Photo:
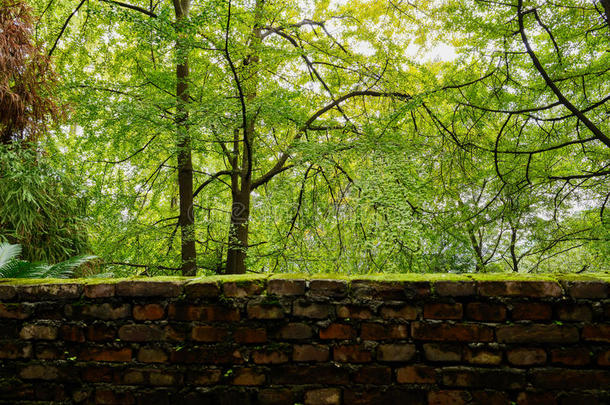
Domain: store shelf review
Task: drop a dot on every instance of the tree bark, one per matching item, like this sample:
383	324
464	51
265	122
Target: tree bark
183	142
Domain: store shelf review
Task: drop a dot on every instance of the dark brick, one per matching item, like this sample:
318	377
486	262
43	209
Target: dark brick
105	311
407	312
596	333
202	289
7	292
101	290
534	311
417	374
338	331
451	332
209	334
537	334
503	379
308	309
323	396
140	333
148	312
270	357
148	289
588	289
352	354
152	355
455	288
483	355
536	398
203	377
15	350
248	335
573	356
275	396
490	398
445	352
354	312
564	379
72	333
374	290
264	311
574	312
316	353
373	375
486	312
534	289
15	311
310	374
295	331
105	354
395	352
109	397
100	332
443	311
248	376
41	292
328	288
448	397
243	289
286	287
388	396
38	332
206	355
378	331
526	356
208	313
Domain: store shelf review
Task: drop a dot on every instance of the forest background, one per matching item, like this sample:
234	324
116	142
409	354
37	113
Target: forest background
197	137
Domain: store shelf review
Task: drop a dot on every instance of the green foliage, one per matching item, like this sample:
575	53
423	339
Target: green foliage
12	267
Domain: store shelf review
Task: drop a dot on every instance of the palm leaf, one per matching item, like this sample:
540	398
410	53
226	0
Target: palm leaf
8	254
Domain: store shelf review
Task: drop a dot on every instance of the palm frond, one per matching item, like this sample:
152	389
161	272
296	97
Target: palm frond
8	253
65	269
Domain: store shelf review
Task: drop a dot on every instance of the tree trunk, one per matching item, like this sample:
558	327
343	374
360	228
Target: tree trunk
185	165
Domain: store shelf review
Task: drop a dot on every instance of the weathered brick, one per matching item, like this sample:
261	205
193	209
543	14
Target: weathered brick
534	289
378	331
265	311
15	311
323	396
270	357
15	350
206	355
536	334
328	288
140	333
248	376
241	289
391	395
148	289
72	333
455	288
49	352
148	312
203	377
503	379
395	352
109	397
588	289
564	379
105	311
448	397
596	333
38	332
177	332
295	331
352	354
488	397
7	292
377	290
534	311
248	335
451	332
105	354
407	312
207	313
315	353
443	311
101	290
354	312
536	398
39	372
100	332
152	355
275	396
574	312
40	292
486	312
573	356
482	355
376	375
523	356
202	289
445	352
417	374
603	358
209	334
308	309
133	377
163	379
286	287
338	331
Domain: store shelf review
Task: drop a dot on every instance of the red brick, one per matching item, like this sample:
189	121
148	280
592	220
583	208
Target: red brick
99	290
394	395
486	312
376	375
265	311
105	311
247	335
140	333
71	333
338	331
323	396
596	333
206	355
15	311
378	331
275	396
534	311
148	289
442	352
526	356
243	289
209	334
417	374
202	289
377	290
536	398
105	354
407	312
307	309
536	289
204	377
455	288
314	353
566	379
269	357
108	397
100	332
451	332
286	287
39	372
573	312
448	397
537	334
328	288
354	312
248	376
177	332
395	352
588	289
603	358
571	356
296	331
208	313
490	398
483	355
38	332
148	312
98	374
443	311
152	355
132	377
352	354
163	379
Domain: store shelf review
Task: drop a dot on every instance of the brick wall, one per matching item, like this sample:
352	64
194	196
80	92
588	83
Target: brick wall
288	341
